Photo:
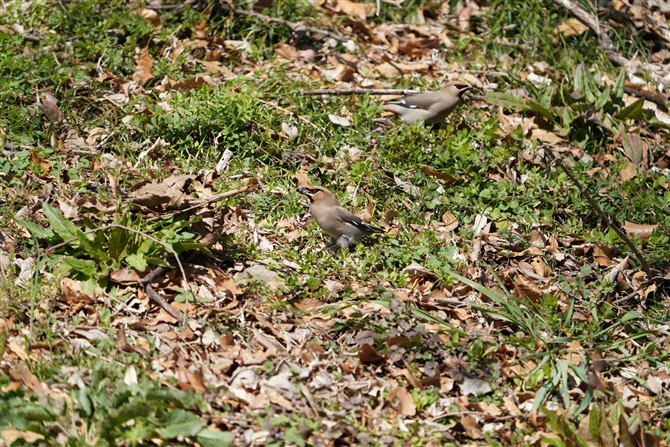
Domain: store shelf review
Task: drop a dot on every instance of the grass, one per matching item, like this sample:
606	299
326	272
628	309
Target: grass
546	345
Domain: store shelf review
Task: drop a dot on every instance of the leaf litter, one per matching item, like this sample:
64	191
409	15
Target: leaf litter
269	360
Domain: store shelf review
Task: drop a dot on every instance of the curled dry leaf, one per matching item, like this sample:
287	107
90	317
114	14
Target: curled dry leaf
540	267
286	51
37	159
49	105
339	120
406	405
524	288
368	354
603	255
150	16
570	27
143	66
629	171
290	131
643	231
301	179
444	176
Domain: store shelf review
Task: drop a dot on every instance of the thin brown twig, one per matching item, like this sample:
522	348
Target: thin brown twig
357	91
603	216
155	296
608	47
201	203
288	23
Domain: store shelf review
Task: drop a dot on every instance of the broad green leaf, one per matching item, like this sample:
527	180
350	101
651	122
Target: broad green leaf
67	230
187	428
633	111
35	229
507	101
594	422
540	110
137	261
62	226
35	412
130	411
210	438
603	98
84	266
617	92
632	315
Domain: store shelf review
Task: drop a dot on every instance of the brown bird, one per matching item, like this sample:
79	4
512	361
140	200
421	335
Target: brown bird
431	107
344	228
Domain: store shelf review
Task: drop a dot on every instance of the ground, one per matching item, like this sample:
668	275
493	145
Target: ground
162	281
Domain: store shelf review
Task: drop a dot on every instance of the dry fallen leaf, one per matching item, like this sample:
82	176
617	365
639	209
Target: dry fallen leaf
643	231
143	66
629	171
406	405
149	15
37	159
49	105
368	354
570	27
339	120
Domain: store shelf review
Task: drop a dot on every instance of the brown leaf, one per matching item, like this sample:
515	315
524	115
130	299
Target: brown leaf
37	159
359	10
464	18
471	428
286	51
634	148
570	27
450	220
149	15
406	406
49	105
540	267
196	82
547	137
525	288
73	295
143	66
603	255
445	176
629	171
125	276
643	231
301	179
23	375
368	354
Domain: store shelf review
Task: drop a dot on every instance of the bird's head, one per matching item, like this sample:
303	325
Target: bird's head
316	193
457	88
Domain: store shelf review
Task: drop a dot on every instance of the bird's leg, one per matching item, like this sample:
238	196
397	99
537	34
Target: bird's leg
332	248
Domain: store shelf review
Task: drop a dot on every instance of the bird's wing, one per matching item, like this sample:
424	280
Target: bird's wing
416	101
348	218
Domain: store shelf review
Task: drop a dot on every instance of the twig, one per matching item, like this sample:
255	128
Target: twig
465	413
201	203
168	247
637	291
606	43
155	297
288	23
604	216
357	91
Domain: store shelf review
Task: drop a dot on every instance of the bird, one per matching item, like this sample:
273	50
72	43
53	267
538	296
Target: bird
431	107
344	228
